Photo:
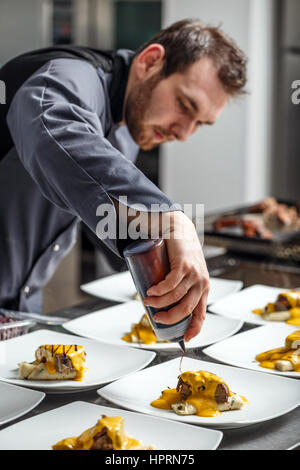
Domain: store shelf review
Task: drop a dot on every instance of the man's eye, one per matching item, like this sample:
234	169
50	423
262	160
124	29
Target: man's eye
182	105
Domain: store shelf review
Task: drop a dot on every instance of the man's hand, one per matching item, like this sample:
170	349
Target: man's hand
188	280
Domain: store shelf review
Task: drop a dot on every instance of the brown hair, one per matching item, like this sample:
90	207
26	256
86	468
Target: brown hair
189	40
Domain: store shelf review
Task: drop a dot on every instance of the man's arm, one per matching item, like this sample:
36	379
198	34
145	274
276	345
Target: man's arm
58	121
55	123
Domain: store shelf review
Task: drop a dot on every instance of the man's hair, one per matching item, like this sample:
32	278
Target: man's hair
189	40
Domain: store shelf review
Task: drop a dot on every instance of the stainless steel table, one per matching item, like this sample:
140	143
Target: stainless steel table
281	433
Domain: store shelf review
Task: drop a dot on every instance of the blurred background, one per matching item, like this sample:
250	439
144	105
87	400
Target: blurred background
250	153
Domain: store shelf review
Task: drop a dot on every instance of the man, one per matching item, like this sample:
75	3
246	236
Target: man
70	134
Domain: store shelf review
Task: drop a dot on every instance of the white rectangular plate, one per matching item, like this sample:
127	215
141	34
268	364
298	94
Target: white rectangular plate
105	362
110	324
242	349
120	288
241	304
74	418
269	395
16	401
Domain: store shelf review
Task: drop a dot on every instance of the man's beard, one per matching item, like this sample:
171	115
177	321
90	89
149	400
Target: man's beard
135	109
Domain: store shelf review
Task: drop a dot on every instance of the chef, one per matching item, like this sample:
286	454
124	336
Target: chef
71	128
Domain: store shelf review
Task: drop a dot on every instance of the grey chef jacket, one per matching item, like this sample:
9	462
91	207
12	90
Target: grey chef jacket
69	156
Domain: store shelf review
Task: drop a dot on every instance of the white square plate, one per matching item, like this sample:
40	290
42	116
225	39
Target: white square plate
16	401
74	418
269	395
105	362
242	349
120	288
241	304
110	324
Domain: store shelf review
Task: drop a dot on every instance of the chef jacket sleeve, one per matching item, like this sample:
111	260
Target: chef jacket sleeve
58	121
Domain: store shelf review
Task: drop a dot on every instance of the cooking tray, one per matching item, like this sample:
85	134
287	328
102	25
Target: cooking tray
284	244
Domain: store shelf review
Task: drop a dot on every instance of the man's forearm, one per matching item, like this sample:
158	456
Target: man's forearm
150	224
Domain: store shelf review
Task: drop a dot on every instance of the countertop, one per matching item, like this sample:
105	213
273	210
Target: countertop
281	433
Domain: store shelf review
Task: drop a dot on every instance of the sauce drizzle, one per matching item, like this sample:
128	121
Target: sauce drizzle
183	348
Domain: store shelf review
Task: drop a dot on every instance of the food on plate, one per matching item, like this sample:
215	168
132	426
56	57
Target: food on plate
285	308
107	434
136	296
55	362
285	358
141	333
199	393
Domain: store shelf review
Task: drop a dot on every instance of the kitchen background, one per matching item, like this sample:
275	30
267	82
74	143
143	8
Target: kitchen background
250	153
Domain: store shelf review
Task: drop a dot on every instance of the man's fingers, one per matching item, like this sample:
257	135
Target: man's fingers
171	297
197	318
175	286
181	310
171	281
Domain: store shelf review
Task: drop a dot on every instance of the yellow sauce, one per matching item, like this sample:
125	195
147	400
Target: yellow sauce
293	296
168	397
295	316
46	353
115	431
141	332
257	311
203	386
293	340
268	359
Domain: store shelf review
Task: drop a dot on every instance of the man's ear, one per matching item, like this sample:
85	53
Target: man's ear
149	61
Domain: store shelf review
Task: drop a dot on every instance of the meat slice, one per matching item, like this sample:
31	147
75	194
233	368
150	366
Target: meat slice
102	441
267	204
226	222
222	393
62	363
282	303
184	388
256	228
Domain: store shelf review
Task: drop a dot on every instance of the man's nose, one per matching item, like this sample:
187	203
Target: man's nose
182	130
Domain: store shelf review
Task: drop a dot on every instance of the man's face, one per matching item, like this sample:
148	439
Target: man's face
162	109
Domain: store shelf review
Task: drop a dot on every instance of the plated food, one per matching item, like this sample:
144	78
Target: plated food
200	393
55	362
142	333
285	308
269	395
103	362
109	325
285	358
107	434
45	430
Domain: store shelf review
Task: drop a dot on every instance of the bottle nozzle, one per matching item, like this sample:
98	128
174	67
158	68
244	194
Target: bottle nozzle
182	346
